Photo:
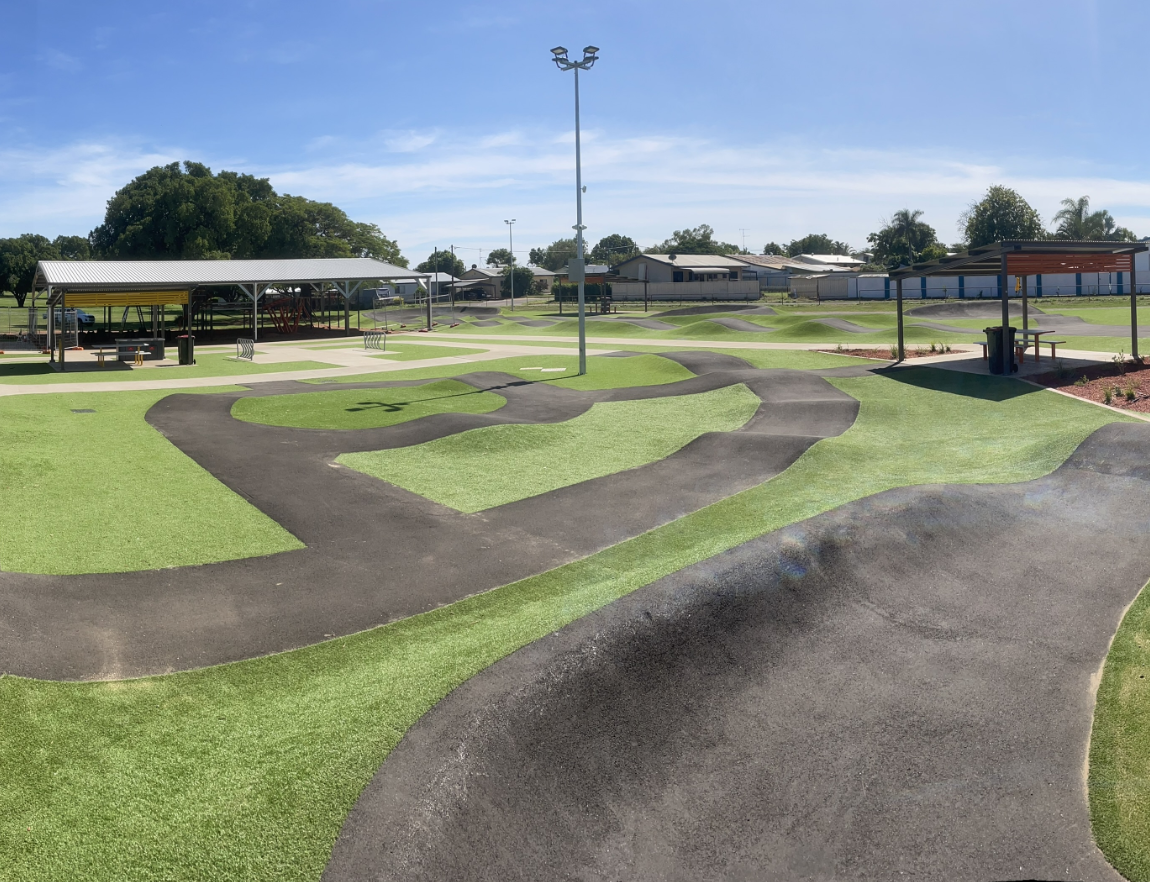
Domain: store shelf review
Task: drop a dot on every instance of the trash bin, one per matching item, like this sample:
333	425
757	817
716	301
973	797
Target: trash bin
187	346
994	348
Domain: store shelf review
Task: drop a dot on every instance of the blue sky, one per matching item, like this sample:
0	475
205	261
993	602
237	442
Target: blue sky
439	120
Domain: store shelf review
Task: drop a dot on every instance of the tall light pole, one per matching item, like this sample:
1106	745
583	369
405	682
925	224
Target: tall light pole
511	268
576	268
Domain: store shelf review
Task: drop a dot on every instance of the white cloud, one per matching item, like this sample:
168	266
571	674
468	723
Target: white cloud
435	188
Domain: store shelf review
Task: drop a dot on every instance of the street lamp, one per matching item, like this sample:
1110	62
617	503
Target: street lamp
577	267
511	269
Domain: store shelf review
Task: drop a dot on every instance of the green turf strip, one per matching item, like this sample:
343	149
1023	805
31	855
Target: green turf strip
513	462
94	492
365	408
207	365
1119	779
602	372
247	771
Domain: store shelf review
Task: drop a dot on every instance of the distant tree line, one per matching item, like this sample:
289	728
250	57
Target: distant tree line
187	212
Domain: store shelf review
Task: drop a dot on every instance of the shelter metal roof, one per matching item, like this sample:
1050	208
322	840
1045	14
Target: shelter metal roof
1031	256
127	275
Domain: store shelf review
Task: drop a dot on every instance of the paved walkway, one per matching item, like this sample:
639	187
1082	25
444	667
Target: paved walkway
352	364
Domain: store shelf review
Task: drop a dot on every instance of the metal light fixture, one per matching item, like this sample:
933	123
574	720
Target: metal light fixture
576	269
511	266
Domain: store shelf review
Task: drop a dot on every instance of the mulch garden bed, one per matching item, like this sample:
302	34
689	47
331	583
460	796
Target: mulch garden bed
1128	390
880	354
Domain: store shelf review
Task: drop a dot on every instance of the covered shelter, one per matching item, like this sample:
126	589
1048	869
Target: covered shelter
1022	259
154	283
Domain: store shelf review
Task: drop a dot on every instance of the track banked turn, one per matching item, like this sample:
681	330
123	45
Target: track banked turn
901	686
375	552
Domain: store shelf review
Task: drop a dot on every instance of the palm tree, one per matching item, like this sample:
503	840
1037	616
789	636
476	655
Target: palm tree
1076	221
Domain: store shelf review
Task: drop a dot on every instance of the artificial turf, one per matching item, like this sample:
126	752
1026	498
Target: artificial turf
365	408
211	364
1119	777
94	492
512	462
602	372
247	771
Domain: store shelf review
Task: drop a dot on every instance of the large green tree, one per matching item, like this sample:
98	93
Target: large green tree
1076	221
1000	214
442	262
816	243
614	249
188	212
18	258
525	284
700	240
555	256
500	257
904	240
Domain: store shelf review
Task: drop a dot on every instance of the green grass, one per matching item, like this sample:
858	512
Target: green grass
207	365
513	462
94	492
246	771
602	372
365	408
1119	778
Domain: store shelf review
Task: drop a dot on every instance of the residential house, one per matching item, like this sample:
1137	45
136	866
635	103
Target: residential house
685	277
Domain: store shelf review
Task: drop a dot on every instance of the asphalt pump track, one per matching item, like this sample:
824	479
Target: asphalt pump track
898	687
376	552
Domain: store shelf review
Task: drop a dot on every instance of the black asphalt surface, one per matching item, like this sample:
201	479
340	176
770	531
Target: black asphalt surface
376	552
974	309
900	688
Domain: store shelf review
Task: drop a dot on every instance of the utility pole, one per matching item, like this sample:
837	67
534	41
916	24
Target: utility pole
511	267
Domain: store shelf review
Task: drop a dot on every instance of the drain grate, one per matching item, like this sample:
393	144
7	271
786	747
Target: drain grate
82	410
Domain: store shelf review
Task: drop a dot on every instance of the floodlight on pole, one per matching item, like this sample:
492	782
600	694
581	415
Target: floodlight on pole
576	269
511	270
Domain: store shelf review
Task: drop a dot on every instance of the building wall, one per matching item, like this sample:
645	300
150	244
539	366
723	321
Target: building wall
723	290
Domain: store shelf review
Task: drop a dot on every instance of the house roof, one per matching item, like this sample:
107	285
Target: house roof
776	261
831	259
155	275
689	261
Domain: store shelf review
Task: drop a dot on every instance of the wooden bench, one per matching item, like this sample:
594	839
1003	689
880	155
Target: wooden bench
1053	344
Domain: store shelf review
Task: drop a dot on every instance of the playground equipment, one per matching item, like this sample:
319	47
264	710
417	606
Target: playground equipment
286	311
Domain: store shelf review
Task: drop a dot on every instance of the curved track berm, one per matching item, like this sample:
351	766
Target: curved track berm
901	686
376	552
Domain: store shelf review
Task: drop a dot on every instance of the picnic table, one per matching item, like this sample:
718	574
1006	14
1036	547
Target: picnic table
1037	334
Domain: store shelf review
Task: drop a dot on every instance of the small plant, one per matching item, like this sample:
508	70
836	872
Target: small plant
893	351
1081	381
932	348
1130	392
946	349
1120	362
838	347
1108	395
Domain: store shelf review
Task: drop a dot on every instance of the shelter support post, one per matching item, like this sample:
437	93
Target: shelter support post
898	298
1025	313
1004	295
1133	311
